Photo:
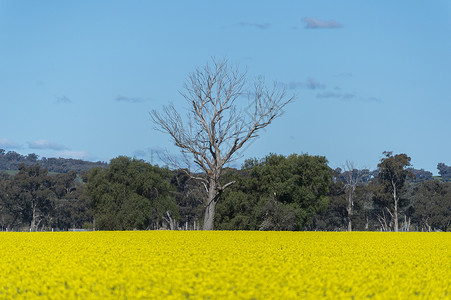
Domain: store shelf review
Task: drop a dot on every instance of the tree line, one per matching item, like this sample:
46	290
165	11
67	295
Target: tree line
11	160
295	192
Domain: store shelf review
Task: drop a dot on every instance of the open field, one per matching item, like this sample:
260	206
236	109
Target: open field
217	265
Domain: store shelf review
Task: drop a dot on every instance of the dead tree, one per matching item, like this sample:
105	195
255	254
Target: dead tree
352	178
218	123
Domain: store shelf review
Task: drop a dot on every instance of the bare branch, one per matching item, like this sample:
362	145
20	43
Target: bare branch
218	124
227	185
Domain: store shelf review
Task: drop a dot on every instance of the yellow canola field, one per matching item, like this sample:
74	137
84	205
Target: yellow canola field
225	265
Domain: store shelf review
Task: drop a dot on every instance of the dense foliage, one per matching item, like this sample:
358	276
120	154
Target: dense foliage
276	193
34	199
296	192
130	194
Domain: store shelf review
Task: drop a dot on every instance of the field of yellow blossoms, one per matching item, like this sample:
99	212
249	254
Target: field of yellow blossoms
217	265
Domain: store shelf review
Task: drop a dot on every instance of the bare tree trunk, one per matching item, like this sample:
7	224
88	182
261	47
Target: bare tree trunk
210	206
383	220
349	209
352	179
395	209
34	219
393	175
169	220
209	218
406	225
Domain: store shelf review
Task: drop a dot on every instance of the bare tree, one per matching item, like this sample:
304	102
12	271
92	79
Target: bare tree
218	124
352	178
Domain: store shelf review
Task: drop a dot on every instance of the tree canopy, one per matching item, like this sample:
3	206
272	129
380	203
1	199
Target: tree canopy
286	192
295	192
130	194
393	174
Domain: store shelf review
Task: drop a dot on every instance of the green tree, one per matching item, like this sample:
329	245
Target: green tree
392	176
238	208
285	193
335	216
5	215
131	194
71	206
432	205
444	171
31	196
189	194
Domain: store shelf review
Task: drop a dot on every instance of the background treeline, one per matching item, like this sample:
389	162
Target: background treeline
296	192
11	160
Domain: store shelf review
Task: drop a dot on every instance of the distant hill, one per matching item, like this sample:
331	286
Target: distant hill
11	160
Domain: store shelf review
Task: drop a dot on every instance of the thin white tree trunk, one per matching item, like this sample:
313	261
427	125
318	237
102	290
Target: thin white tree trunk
33	224
395	209
349	209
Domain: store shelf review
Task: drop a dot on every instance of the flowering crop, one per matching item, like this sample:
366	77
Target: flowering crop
217	265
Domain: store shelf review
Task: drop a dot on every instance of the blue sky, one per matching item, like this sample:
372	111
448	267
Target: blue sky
79	78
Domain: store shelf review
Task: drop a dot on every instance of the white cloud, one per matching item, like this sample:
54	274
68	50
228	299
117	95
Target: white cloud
81	154
309	83
346	96
45	144
63	99
314	23
330	95
371	99
262	26
313	84
9	144
129	99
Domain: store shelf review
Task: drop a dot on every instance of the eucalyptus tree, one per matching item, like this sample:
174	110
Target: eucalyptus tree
31	195
219	123
131	194
392	176
432	205
277	193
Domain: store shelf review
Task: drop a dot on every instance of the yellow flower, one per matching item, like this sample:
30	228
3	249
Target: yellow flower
225	265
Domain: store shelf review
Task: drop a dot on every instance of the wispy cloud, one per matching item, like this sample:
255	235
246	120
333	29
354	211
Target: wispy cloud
75	154
343	96
314	85
314	23
63	99
129	99
370	99
262	26
9	144
45	144
334	92
337	95
329	95
309	83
